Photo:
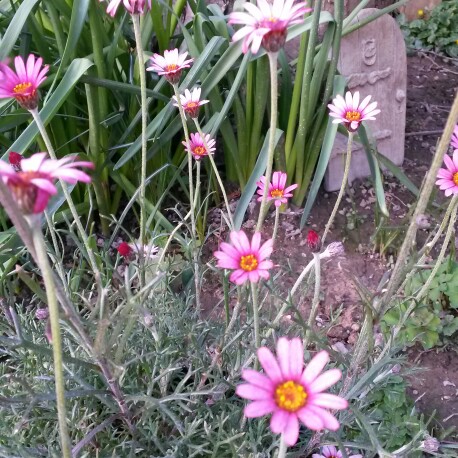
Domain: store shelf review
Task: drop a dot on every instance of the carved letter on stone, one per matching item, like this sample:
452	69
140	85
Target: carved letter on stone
369	52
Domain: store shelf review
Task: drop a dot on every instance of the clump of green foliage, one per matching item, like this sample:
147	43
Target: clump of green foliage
435	319
437	31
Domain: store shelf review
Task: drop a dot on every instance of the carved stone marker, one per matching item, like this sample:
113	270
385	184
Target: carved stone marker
373	60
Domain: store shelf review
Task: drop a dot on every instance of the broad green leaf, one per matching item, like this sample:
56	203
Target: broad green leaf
326	149
15	28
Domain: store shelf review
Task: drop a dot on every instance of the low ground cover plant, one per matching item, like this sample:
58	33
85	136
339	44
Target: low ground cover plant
106	349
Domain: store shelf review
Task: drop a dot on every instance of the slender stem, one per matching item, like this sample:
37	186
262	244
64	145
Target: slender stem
342	187
282	449
316	298
197	191
191	197
43	263
144	109
254	299
277	218
273	126
69	199
215	169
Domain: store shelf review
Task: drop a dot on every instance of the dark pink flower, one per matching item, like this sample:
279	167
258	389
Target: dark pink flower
191	102
290	392
267	23
33	185
124	249
170	65
248	260
448	178
23	84
278	191
197	147
350	112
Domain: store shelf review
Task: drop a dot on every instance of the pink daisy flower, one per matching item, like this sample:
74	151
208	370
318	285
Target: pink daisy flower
248	260
191	102
454	141
132	6
197	146
23	84
170	65
290	392
278	191
448	178
33	185
267	23
350	112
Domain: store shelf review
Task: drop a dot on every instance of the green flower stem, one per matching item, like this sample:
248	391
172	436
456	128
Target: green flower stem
254	299
273	126
342	187
277	218
316	298
43	263
197	191
218	177
191	197
144	109
69	199
282	449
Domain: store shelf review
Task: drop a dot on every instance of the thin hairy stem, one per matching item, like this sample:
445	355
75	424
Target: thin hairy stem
282	448
144	109
273	126
53	306
342	187
191	197
316	298
277	218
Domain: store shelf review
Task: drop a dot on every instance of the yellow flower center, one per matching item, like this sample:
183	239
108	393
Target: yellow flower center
290	396
420	13
21	88
248	262
455	178
199	150
352	116
171	67
276	193
191	105
273	19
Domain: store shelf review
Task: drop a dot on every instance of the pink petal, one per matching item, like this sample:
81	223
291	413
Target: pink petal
325	380
329	421
254	393
314	367
291	431
310	419
279	421
330	401
258	379
283	355
259	408
270	365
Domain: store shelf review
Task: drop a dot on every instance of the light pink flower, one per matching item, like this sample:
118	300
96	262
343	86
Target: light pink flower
290	392
454	141
267	23
197	146
278	191
132	6
448	178
23	84
248	260
191	102
350	112
329	451
33	185
171	64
